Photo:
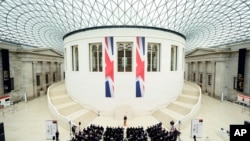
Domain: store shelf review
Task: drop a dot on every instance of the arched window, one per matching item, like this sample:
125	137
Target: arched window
153	57
124	56
174	56
75	65
96	62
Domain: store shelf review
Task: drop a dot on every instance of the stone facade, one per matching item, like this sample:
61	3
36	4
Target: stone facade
32	70
215	70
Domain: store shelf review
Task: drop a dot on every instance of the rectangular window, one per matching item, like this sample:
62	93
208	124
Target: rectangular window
96	62
47	78
75	58
193	77
124	57
153	57
174	58
38	80
209	79
200	77
54	77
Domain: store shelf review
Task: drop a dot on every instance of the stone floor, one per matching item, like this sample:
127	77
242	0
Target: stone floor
27	122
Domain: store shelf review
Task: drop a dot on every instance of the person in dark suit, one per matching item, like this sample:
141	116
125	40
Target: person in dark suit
125	120
73	130
57	135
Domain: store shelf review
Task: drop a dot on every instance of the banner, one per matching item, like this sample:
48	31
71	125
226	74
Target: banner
6	71
109	67
140	66
196	128
51	128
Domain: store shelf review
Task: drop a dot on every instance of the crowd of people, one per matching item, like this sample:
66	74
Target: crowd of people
113	134
136	134
98	133
158	133
90	133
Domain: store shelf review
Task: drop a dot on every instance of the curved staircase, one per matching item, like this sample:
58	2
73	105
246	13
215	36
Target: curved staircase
65	109
182	108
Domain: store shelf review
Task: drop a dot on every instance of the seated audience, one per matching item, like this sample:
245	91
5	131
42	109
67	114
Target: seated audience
153	133
113	134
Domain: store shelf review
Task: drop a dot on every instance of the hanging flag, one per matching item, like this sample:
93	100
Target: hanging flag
140	65
109	67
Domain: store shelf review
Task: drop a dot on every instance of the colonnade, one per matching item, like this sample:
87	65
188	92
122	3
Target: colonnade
203	74
44	74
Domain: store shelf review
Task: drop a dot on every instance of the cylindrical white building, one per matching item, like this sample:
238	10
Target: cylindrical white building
128	69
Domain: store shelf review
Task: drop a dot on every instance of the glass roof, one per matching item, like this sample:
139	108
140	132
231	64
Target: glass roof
205	23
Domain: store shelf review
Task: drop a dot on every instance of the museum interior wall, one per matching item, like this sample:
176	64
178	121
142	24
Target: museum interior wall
30	71
216	70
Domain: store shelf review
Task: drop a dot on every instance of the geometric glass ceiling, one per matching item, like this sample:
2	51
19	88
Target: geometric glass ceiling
205	23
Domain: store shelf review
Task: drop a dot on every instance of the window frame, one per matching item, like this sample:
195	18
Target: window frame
174	58
201	78
75	58
151	63
126	61
99	58
209	79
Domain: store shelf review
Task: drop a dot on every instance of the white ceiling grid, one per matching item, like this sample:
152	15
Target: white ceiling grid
205	23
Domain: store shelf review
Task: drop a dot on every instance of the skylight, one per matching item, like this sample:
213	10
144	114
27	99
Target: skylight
205	23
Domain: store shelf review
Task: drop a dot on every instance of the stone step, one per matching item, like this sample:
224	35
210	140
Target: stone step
77	114
70	109
164	118
192	93
61	100
175	116
57	93
64	105
85	119
190	96
187	99
59	97
179	107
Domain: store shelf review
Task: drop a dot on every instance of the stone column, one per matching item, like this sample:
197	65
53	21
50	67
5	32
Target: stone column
197	73
57	71
204	74
213	78
51	72
43	78
190	71
34	66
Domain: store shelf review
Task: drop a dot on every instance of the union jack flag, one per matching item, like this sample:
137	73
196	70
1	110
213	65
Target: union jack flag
109	68
140	65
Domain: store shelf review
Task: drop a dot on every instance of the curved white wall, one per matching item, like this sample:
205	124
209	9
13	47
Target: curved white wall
88	88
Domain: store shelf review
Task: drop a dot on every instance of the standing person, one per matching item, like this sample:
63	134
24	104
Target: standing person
57	135
194	138
125	120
